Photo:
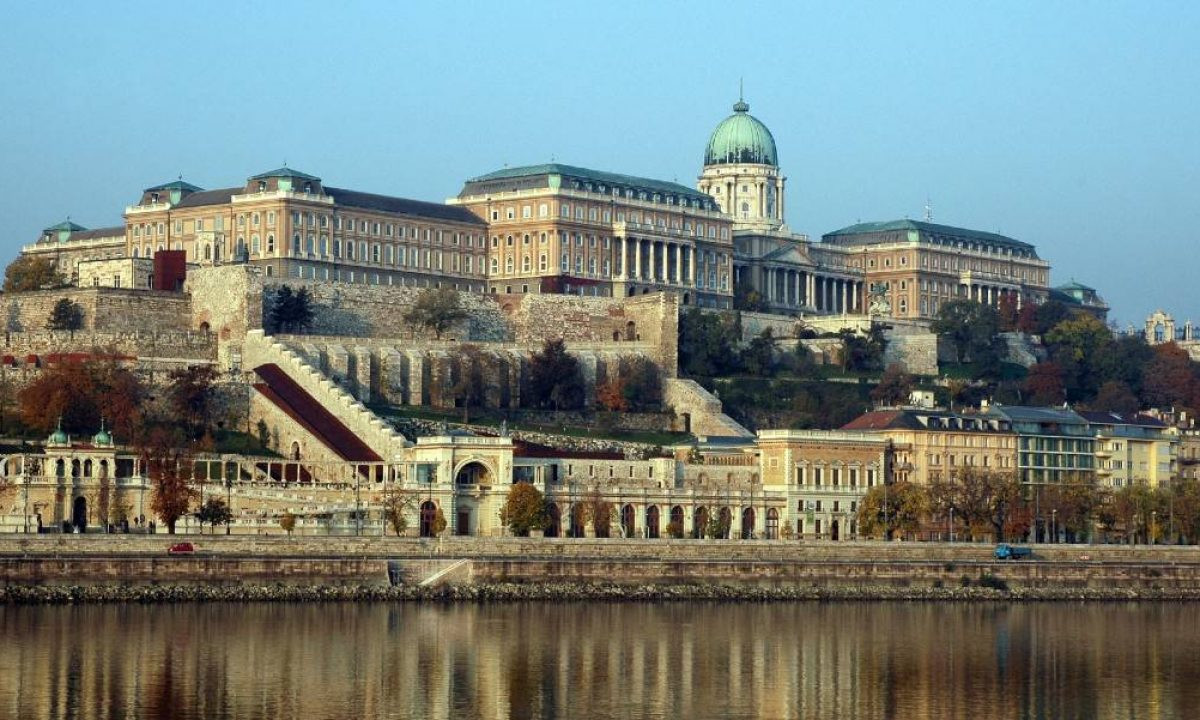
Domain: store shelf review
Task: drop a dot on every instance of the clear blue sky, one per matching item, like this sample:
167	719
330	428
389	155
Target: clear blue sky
1074	126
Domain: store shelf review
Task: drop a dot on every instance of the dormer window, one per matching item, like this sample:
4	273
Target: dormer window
154	198
308	188
262	185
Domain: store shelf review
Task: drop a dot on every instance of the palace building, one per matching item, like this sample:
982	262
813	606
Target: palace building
293	225
557	228
562	229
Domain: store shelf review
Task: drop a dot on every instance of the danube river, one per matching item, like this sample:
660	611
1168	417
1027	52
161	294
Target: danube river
674	660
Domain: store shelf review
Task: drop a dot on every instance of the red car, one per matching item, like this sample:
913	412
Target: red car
183	548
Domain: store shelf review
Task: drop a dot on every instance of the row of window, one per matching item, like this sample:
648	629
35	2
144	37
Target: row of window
324	272
833	476
597	214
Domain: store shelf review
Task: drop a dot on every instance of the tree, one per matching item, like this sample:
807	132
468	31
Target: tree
215	512
66	315
1044	384
971	328
398	503
287	522
438	526
524	509
80	394
758	357
1049	314
610	395
169	463
437	309
31	273
988	499
906	506
1170	379
894	387
190	396
555	380
748	299
1077	344
1115	396
1007	314
707	343
290	311
862	352
641	384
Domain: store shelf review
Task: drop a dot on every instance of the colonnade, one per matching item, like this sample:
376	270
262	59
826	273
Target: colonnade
659	261
801	289
990	294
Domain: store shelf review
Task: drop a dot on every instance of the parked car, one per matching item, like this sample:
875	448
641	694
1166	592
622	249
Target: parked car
183	548
1012	552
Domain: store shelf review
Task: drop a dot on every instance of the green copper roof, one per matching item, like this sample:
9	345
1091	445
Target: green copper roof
596	176
928	230
285	172
741	138
65	225
175	185
1074	285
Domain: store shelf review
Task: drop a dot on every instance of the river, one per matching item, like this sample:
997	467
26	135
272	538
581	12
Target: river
587	660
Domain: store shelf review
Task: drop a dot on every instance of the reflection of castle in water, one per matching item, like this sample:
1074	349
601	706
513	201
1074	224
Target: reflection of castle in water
624	660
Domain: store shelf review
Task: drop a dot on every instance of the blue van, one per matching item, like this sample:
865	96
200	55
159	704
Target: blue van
1012	552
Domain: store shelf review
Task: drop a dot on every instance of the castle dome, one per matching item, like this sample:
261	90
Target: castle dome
741	138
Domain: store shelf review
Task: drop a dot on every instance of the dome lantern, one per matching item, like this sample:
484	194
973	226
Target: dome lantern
740	139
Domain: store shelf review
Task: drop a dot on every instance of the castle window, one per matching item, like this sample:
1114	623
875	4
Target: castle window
362	252
495	266
270	244
565	264
564	210
508	241
400	253
542	263
375	253
508	265
526	239
526	211
255	245
525	264
254	218
296	244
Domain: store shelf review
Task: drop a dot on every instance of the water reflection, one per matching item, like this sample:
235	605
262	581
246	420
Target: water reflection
651	661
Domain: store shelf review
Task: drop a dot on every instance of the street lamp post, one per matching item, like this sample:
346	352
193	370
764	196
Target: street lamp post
950	526
1153	526
1054	525
228	500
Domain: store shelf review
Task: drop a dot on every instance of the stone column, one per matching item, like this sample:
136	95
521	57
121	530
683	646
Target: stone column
678	264
779	200
622	273
845	296
637	259
809	290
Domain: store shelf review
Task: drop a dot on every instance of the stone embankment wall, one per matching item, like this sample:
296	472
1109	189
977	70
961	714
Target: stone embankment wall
124	560
148	344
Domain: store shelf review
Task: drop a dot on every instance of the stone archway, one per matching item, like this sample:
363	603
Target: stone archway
652	522
748	523
554	527
699	522
627	521
473	472
79	514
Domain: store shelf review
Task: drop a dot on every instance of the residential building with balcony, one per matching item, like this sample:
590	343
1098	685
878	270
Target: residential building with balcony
1134	450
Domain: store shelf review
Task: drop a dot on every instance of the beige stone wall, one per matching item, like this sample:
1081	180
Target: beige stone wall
104	309
127	273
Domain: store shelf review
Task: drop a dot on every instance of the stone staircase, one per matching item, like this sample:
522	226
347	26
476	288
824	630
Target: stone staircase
260	349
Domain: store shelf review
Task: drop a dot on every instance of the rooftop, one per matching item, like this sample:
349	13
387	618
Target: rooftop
847	234
587	175
175	185
284	172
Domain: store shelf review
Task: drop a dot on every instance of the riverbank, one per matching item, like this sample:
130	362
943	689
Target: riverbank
565	592
67	569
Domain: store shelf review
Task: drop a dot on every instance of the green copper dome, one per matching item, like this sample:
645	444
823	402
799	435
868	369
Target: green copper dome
58	437
741	138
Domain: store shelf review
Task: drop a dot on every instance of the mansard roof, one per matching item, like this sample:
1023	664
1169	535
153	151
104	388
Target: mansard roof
386	203
66	225
539	176
175	185
285	172
211	197
873	233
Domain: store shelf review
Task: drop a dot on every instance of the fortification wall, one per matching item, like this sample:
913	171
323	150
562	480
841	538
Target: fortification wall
170	345
104	309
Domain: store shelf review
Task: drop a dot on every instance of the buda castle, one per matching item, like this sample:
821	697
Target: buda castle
556	228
